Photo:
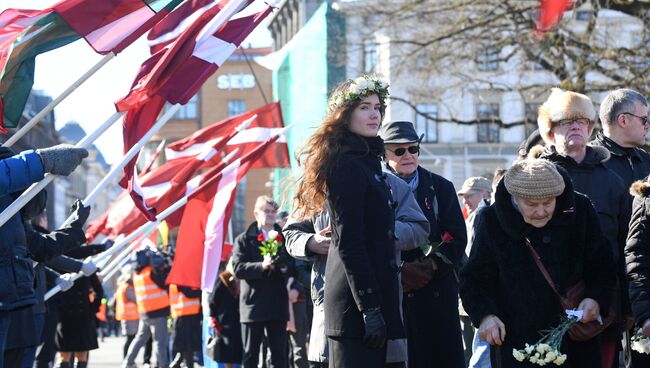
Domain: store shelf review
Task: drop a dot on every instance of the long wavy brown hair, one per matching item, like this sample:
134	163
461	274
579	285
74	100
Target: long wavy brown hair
318	155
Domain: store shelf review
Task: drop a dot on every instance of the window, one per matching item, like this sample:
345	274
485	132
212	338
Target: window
583	15
236	107
189	110
488	59
427	125
488	123
369	55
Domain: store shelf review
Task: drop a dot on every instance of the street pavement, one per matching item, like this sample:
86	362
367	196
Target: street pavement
109	353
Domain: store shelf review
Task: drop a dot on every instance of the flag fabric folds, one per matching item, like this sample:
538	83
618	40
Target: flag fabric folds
204	224
24	34
107	25
266	122
170	27
112	25
176	73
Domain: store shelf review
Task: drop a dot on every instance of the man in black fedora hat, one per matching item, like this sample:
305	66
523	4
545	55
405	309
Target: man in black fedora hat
430	282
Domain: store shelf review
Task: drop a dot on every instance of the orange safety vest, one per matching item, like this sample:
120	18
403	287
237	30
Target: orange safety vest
149	296
182	305
125	310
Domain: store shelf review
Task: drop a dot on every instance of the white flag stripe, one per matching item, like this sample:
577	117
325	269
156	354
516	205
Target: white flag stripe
156	190
110	35
214	50
182	26
193	150
257	134
215	227
193	184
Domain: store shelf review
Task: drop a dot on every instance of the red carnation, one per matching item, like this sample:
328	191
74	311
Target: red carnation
279	238
260	237
446	237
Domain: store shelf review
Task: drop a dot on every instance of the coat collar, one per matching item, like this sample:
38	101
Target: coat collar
614	148
594	156
253	230
513	223
357	145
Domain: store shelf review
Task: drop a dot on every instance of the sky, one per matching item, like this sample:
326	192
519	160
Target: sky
93	102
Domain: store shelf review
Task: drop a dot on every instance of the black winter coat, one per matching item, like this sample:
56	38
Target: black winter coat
613	204
431	313
502	279
631	164
361	271
637	253
263	294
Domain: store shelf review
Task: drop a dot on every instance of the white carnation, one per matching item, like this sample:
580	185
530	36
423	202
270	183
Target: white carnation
383	84
355	89
273	234
518	355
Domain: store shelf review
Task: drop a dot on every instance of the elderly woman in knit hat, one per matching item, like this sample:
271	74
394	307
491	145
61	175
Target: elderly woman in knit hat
536	213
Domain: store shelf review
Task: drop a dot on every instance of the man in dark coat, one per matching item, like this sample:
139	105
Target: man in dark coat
637	257
430	285
624	117
566	120
263	298
502	288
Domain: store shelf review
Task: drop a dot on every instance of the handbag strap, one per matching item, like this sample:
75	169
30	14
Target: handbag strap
542	269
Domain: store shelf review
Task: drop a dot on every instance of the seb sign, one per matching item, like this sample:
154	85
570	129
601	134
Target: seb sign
235	81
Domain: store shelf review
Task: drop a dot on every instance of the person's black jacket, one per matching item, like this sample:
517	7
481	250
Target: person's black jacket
263	296
631	164
637	253
613	204
502	279
361	270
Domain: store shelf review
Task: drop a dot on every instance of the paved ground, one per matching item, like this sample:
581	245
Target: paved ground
109	353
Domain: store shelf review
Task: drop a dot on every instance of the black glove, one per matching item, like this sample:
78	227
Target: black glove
375	335
107	244
61	159
80	214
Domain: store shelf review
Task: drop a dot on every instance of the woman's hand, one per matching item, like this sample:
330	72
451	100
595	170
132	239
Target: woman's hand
590	310
492	330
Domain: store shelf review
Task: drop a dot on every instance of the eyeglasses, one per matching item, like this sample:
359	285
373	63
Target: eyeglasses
565	123
401	151
644	119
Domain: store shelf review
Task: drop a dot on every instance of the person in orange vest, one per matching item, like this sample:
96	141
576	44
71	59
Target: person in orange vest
101	318
126	309
153	306
185	305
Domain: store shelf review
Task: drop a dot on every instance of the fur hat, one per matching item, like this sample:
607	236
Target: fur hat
564	105
534	178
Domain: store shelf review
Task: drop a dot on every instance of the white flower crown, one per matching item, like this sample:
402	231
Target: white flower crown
359	89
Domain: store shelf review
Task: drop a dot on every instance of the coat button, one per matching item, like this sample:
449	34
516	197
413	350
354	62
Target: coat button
436	294
369	291
361	292
546	239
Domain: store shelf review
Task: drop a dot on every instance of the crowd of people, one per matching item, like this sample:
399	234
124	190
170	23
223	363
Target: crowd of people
378	264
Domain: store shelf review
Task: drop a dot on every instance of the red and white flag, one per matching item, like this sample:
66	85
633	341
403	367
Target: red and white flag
551	12
169	28
112	25
266	122
176	73
204	225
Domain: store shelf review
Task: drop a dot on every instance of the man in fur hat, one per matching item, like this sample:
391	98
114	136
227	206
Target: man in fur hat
566	121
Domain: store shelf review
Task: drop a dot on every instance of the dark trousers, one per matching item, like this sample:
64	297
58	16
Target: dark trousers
353	353
127	343
13	358
317	364
46	351
252	336
299	338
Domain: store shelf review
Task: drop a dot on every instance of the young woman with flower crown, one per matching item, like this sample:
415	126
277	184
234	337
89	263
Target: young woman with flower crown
342	173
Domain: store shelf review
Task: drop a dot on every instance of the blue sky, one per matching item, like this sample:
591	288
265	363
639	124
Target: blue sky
92	103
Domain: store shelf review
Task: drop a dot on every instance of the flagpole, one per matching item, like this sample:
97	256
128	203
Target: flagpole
28	194
36	119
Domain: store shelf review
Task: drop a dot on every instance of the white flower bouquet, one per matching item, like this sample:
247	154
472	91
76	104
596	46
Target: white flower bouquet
547	349
641	342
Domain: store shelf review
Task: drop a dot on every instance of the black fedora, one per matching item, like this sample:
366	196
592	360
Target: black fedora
399	132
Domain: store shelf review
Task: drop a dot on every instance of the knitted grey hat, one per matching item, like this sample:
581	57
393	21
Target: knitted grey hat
534	178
